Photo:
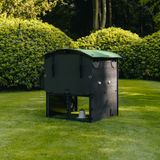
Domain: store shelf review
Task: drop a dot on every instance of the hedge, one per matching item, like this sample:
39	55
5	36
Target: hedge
141	60
150	54
22	50
23	44
105	39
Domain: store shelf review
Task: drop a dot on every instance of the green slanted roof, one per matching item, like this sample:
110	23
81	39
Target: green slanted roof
98	53
88	52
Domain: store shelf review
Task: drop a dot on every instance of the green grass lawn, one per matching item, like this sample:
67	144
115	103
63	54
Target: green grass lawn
26	134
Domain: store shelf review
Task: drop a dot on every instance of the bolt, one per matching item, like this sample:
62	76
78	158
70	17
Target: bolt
45	76
99	83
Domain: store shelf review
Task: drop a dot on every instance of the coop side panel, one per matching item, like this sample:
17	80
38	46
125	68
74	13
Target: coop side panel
41	80
112	83
104	101
71	72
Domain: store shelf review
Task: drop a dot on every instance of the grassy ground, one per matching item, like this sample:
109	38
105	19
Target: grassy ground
26	134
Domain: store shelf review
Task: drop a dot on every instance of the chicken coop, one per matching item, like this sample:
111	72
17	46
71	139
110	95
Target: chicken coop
75	76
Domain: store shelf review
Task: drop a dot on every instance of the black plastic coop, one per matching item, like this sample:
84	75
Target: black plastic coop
72	75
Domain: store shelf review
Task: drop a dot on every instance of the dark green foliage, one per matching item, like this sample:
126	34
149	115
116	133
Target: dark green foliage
74	19
141	60
150	54
21	52
130	65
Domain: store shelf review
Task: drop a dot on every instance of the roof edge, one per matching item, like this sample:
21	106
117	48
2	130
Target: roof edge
91	53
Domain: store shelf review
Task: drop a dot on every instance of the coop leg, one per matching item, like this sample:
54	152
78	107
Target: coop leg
74	103
69	107
47	104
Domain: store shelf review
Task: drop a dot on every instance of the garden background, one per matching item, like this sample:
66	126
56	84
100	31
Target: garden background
129	28
24	40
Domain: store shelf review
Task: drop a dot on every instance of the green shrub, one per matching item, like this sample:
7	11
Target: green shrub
21	53
105	39
150	51
129	65
140	57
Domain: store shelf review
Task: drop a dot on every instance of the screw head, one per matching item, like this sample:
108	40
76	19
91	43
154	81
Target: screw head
45	76
99	82
90	77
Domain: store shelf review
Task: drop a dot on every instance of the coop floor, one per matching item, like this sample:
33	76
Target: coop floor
74	116
83	103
